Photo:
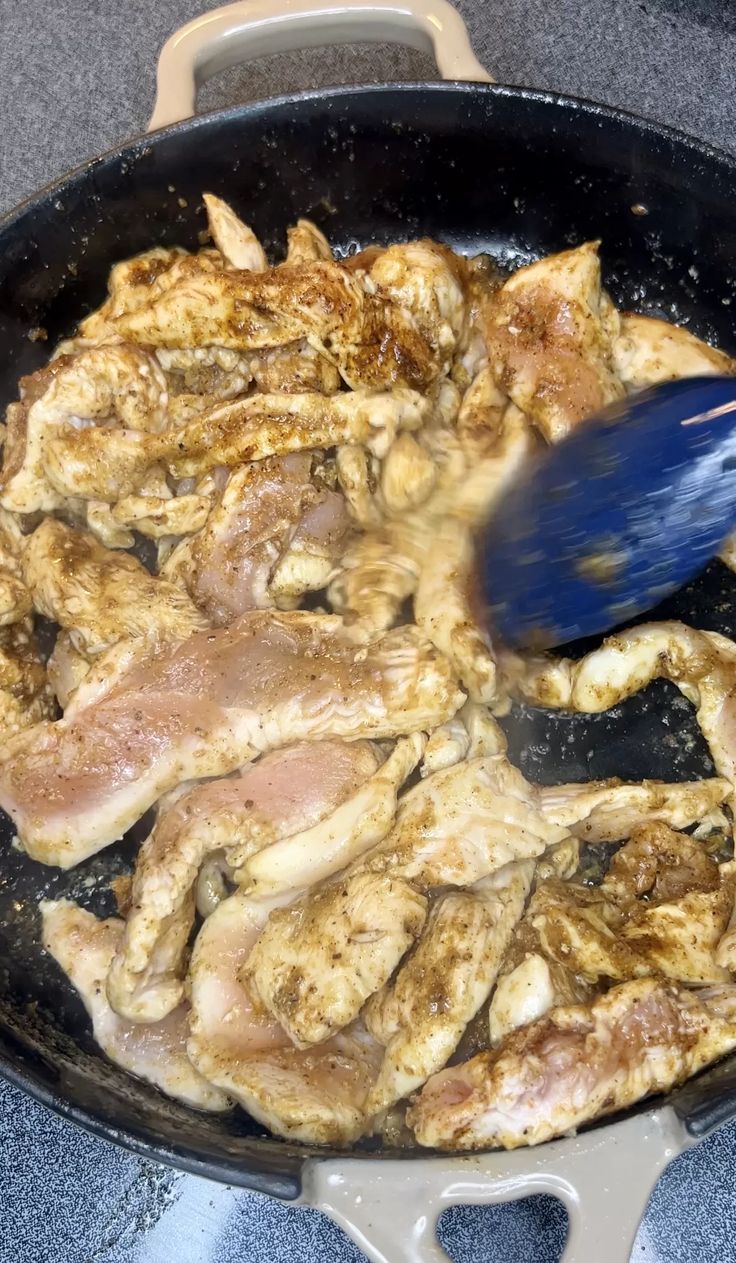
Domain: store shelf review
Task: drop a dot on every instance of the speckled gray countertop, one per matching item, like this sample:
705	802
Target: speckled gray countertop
76	77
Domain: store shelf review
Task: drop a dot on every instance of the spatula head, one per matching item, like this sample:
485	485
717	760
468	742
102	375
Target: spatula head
625	510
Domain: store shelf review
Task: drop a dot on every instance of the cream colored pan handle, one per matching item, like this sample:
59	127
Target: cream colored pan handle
241	32
604	1177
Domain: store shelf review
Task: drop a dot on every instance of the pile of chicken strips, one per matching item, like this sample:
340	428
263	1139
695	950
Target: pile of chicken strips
345	875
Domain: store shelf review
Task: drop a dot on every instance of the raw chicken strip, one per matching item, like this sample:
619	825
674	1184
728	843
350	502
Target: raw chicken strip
315	1096
315	853
101	596
84	946
576	1064
233	558
550	334
201	709
284	792
421	1014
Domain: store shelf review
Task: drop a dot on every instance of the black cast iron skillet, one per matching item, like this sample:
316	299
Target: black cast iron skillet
499	170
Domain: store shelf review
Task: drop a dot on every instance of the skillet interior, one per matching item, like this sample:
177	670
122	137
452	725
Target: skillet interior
498	170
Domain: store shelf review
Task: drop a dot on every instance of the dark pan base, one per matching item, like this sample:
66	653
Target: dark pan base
493	170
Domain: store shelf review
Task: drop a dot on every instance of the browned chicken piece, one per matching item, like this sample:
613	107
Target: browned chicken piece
443	608
452	829
374	342
100	596
422	1012
608	932
61	404
576	1064
268	425
408	475
297	368
84	947
129	286
358	474
306	244
16	602
430	282
237	243
648	351
109	464
550	333
428	552
25	695
314	1095
659	863
318	960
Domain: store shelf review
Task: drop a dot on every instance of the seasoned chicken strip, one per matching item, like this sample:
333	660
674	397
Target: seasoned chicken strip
157	516
231	563
647	351
306	244
314	853
576	1064
701	664
237	243
284	792
609	811
267	425
429	281
550	333
316	1096
16	602
25	696
84	947
318	960
119	383
202	708
313	551
374	342
100	596
422	1012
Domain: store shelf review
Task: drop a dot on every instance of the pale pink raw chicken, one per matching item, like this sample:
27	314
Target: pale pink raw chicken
202	708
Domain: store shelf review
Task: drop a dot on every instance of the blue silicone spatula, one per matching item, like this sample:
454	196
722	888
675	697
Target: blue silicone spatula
604	525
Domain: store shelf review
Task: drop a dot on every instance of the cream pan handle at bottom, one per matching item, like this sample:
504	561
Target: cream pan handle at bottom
390	1207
